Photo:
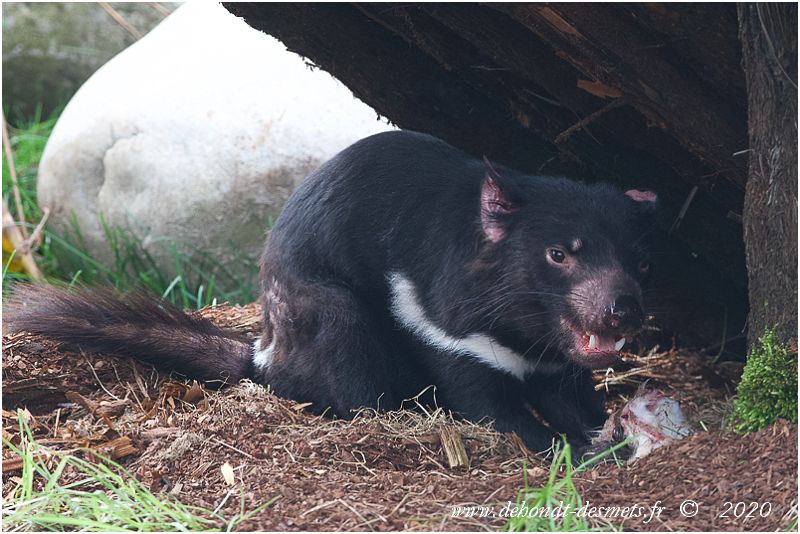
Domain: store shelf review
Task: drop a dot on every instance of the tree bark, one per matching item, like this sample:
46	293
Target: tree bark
768	33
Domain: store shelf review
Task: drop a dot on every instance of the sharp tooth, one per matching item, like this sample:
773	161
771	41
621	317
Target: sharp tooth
619	344
592	341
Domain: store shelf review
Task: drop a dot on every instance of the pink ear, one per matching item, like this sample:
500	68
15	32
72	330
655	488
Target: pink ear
641	196
493	206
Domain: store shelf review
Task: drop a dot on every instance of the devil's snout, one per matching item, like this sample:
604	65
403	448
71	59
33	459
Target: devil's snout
623	314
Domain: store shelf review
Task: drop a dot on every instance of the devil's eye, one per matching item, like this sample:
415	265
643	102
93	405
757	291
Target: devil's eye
556	256
644	267
618	434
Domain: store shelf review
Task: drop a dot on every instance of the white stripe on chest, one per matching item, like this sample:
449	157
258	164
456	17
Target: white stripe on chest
407	309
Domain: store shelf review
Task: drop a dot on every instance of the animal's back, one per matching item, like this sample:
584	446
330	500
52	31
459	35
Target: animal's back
386	200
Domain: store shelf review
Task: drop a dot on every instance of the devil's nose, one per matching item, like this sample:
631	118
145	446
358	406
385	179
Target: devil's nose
624	313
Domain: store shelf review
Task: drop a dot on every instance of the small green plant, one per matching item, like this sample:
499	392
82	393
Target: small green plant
558	499
103	497
768	389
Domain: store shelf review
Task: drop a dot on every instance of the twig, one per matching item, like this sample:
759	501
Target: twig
119	19
401	503
16	464
220	442
453	447
222	503
58	419
684	209
12	171
98	378
39	227
129	387
318	507
612	379
18	234
161	9
732	215
27	244
566	134
11	230
139	381
343	503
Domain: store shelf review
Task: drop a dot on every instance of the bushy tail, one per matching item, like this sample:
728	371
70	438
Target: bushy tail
136	325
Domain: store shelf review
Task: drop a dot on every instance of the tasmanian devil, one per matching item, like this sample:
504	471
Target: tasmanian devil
403	263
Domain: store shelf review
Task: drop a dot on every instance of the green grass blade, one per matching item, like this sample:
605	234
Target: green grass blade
105	498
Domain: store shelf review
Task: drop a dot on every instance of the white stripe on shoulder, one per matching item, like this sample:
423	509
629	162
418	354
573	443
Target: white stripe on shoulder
262	358
408	310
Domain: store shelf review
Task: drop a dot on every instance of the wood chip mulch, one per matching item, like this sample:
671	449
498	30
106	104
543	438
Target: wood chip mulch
714	470
381	471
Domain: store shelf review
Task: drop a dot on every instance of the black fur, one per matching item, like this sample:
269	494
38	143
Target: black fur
475	243
406	202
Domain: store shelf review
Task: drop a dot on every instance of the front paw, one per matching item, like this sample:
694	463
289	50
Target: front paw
599	453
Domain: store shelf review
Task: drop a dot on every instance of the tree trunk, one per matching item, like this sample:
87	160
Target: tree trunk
768	33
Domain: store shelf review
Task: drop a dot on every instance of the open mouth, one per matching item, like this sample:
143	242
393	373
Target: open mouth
601	344
595	348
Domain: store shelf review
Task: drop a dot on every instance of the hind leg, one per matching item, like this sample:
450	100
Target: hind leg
322	346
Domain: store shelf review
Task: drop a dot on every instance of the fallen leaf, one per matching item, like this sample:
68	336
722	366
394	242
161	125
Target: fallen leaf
227	474
194	394
599	89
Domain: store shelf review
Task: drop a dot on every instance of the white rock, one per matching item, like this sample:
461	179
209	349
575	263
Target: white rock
195	135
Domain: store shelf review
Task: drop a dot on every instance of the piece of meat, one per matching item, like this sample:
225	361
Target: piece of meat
650	419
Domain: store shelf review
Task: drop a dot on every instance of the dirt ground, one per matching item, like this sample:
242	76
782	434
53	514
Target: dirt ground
387	471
